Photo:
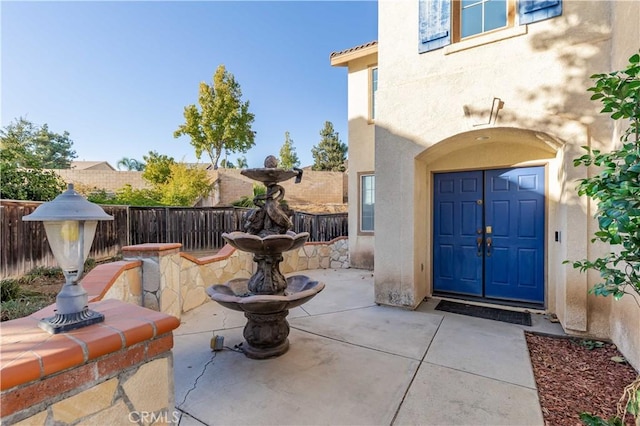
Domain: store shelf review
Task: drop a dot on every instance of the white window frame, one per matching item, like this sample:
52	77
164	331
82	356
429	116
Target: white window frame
373	88
361	194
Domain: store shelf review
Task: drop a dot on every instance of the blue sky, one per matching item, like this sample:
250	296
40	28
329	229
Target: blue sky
117	75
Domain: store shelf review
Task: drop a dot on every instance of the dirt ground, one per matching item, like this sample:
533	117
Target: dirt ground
572	378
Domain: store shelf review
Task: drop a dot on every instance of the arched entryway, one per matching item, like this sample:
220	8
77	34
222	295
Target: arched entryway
491	198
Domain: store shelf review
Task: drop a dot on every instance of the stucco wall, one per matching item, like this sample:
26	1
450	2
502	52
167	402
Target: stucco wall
433	107
110	180
424	103
315	187
361	156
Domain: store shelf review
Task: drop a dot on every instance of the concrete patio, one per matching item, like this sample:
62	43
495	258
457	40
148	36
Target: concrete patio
352	362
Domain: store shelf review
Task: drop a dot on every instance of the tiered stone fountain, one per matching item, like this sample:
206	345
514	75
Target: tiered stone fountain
267	296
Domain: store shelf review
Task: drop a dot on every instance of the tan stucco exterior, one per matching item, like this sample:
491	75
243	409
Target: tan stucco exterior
433	116
359	61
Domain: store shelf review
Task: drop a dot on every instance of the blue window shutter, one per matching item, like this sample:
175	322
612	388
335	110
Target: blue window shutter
530	11
434	24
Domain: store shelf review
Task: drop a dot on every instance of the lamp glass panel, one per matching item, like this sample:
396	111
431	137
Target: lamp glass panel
70	241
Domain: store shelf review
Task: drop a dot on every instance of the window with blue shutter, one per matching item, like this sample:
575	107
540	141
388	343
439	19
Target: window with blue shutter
530	11
434	24
437	19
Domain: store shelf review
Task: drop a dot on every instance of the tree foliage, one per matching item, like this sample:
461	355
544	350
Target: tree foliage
17	183
241	162
288	157
616	189
182	186
25	151
130	164
157	168
30	146
226	164
223	121
172	184
185	185
127	196
331	153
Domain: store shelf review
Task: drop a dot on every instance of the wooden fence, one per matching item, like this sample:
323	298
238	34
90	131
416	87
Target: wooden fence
24	245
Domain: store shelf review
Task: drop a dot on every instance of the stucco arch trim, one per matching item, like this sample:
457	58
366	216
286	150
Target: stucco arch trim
490	147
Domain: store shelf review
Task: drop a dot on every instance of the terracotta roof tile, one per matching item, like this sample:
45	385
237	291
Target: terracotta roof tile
353	49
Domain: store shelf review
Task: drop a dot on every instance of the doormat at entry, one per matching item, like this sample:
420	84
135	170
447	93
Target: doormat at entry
521	318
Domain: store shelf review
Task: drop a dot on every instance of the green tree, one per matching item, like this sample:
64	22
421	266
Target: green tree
158	168
223	122
331	153
128	196
616	190
185	186
242	162
173	184
17	183
25	151
130	164
288	157
30	146
225	164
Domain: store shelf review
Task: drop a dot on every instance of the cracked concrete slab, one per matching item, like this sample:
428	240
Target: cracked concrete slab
318	381
352	362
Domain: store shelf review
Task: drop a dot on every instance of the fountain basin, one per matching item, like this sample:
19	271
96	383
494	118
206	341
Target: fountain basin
271	244
267	328
269	175
235	295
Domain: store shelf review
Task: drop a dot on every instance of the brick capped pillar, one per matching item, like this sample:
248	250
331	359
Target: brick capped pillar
109	373
160	275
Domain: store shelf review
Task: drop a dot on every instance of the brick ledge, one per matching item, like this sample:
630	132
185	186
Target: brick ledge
100	279
28	353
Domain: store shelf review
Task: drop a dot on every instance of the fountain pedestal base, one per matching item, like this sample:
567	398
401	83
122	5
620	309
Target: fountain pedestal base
266	335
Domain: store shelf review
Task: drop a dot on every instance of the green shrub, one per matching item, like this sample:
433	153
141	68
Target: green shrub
247	201
22	307
44	271
9	289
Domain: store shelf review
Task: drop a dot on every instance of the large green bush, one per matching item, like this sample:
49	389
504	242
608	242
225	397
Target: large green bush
616	189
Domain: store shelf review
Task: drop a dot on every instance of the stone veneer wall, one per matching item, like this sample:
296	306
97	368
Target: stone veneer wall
228	263
160	277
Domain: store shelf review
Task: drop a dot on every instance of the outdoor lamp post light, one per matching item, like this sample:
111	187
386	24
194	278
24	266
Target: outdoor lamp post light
70	223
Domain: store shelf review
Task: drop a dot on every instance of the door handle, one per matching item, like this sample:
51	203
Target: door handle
479	244
489	242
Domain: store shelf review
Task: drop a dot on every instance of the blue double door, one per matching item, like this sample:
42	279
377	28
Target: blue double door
488	234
